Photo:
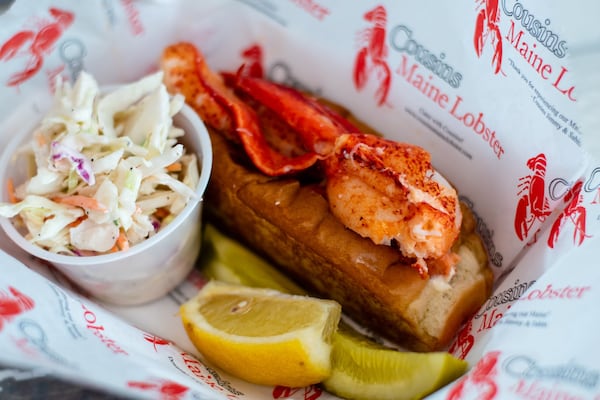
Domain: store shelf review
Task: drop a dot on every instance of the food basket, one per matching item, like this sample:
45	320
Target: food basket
502	94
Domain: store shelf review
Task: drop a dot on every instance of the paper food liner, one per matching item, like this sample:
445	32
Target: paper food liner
488	88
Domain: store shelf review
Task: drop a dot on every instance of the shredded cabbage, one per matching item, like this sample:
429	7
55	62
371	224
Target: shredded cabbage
109	169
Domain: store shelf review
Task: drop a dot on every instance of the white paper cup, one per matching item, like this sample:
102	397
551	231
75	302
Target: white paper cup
146	271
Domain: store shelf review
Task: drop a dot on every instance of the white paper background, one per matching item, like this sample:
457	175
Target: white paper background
314	44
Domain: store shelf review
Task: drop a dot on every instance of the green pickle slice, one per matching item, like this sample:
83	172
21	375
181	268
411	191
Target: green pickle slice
361	367
225	259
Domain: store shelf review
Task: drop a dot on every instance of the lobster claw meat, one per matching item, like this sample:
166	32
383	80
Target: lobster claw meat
186	72
318	125
381	189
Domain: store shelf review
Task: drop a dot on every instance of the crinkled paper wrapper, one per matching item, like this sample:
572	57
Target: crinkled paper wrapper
491	90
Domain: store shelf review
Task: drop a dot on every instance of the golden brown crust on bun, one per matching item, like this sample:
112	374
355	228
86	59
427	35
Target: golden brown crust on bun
290	223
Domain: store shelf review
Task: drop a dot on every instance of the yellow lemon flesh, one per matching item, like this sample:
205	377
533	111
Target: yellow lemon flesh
360	368
261	335
363	369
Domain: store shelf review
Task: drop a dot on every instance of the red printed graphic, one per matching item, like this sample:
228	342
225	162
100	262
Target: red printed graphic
486	28
464	342
12	304
371	58
533	205
479	383
311	392
133	15
253	61
97	329
209	379
35	45
167	390
156	340
196	279
575	213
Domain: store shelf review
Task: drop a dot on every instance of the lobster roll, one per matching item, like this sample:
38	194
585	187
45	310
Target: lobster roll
346	213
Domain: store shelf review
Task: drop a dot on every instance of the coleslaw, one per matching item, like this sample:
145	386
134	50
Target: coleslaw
108	168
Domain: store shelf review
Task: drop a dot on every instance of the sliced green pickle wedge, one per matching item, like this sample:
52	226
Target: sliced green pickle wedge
361	368
226	260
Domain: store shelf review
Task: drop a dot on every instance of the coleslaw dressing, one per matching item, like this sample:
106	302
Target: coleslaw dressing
109	170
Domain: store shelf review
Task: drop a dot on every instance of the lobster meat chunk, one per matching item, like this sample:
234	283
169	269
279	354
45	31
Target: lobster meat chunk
389	192
381	189
187	73
318	125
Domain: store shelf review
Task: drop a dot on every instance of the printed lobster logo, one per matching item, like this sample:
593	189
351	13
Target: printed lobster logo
167	390
12	304
486	29
311	392
372	54
34	45
574	212
156	341
464	342
479	383
533	205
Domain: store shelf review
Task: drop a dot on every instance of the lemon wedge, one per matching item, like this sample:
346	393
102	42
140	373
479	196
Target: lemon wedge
262	335
360	367
363	369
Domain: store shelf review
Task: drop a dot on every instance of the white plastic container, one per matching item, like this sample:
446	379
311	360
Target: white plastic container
146	271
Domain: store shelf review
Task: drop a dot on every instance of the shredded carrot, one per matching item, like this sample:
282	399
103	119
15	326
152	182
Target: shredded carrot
175	167
77	221
161	213
85	202
10	186
122	242
40	139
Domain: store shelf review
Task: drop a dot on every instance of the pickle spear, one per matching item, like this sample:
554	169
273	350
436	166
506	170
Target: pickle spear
224	259
361	368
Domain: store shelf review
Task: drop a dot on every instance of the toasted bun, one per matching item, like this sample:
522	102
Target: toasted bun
290	224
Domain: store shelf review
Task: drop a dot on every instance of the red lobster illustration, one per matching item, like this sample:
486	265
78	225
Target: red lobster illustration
156	340
373	54
35	45
311	392
13	304
464	342
479	383
574	212
168	390
486	25
533	205
253	65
